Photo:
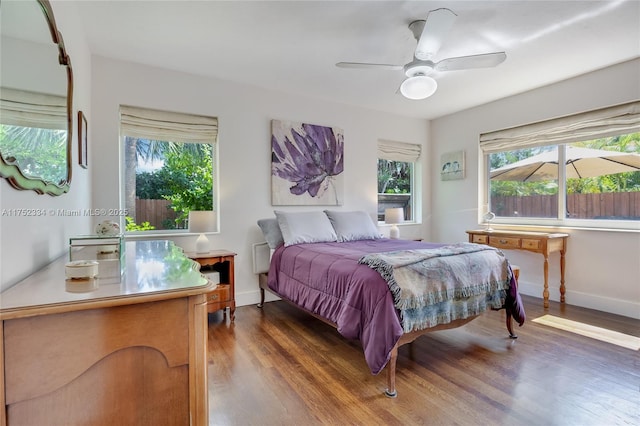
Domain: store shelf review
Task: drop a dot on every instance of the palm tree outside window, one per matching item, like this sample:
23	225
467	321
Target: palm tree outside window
170	168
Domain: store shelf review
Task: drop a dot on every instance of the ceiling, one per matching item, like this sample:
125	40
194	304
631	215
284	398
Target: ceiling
293	46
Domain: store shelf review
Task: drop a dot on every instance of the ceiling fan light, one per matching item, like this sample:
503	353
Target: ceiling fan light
418	87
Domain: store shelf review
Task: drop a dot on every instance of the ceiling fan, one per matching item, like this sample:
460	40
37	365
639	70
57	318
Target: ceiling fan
430	34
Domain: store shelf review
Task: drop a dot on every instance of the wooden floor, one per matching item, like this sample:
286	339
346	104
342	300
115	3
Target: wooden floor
279	366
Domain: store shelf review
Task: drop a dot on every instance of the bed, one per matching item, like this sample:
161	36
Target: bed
383	292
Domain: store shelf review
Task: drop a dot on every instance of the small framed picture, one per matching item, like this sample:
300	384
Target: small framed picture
452	166
82	140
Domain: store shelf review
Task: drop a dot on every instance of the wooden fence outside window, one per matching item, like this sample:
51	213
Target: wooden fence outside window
610	205
156	212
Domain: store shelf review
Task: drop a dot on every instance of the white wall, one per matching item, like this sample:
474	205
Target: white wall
28	243
602	267
244	115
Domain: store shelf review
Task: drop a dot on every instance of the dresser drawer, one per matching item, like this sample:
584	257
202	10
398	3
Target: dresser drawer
530	244
220	294
504	242
480	239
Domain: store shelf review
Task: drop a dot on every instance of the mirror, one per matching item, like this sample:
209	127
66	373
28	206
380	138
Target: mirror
36	94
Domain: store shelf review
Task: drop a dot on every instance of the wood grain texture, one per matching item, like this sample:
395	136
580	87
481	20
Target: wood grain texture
198	397
68	344
95	397
543	243
3	406
223	296
128	353
280	366
135	364
141	364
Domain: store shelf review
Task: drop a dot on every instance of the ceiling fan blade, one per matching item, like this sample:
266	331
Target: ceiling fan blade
485	60
390	67
436	27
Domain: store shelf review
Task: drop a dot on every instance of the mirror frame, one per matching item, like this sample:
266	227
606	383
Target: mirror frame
10	171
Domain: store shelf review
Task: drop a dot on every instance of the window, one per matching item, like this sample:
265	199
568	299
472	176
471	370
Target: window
598	186
169	168
46	160
397	173
33	134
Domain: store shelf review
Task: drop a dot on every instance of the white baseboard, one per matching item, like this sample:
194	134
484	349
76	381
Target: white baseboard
253	297
585	300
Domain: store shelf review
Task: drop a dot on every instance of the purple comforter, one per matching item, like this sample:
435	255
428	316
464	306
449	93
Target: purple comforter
326	279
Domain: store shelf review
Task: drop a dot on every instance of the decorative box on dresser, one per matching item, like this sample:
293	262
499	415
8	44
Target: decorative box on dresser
221	261
128	350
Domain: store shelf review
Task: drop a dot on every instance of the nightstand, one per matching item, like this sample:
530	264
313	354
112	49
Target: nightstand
223	296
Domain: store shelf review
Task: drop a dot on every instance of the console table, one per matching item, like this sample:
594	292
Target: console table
223	296
536	242
127	350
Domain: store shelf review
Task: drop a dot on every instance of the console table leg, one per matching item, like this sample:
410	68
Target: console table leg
545	292
562	287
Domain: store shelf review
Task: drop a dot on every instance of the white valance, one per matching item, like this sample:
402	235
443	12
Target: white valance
31	109
167	126
398	151
611	121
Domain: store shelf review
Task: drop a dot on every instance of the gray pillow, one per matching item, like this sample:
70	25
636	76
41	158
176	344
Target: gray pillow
271	231
305	227
352	226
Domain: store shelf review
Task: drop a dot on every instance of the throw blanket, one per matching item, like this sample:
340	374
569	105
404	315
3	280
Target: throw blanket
326	279
439	285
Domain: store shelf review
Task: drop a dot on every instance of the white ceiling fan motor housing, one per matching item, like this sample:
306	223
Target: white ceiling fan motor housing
418	67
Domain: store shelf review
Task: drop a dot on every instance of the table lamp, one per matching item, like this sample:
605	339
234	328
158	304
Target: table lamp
393	217
201	221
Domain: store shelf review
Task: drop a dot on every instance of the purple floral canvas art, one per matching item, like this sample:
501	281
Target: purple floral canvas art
307	162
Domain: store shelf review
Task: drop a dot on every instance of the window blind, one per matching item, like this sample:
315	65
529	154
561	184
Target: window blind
31	109
167	126
610	121
398	151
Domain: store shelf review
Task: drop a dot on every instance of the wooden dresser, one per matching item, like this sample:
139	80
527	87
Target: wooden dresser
537	242
120	351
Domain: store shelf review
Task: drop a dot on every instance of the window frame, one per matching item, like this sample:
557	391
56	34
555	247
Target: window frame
584	126
408	153
560	221
196	139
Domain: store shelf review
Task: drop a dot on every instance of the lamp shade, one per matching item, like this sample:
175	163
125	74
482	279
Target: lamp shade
418	87
202	221
394	215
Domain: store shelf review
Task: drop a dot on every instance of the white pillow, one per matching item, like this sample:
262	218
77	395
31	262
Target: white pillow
305	227
352	226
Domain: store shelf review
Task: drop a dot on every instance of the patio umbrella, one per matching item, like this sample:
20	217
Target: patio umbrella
581	162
